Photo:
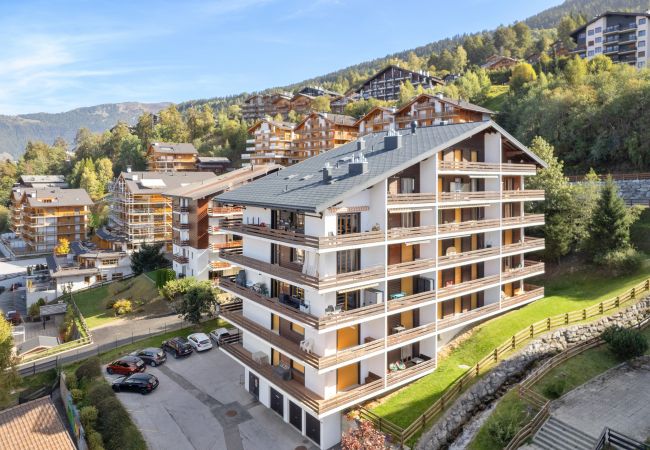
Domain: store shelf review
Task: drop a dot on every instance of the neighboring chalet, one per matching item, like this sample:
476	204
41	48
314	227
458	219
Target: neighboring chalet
385	84
338	104
169	157
436	109
361	263
272	143
497	62
260	106
320	132
621	36
200	225
41	217
216	164
377	119
139	210
42	181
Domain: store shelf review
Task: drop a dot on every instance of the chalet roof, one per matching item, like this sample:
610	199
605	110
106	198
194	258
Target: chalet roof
319	89
494	59
222	183
42	179
212	159
35	425
373	111
459	103
605	14
162	182
337	119
52	310
394	66
283	125
56	197
183	148
301	187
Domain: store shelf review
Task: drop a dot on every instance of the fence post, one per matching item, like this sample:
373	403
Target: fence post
584	314
566	318
601	308
633	293
532	330
478	369
514	342
617	302
548	323
496	355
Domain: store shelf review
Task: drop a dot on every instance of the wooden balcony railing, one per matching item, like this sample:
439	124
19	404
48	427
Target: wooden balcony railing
413	198
531	292
526	245
216	246
410	334
219	265
467	226
393	378
523	220
459	197
526	194
293	349
467	166
217	211
530	267
181	259
181	242
466	257
411	232
411	266
410	300
456	290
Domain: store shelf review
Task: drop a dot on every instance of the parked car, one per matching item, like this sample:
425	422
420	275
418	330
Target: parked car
224	335
177	346
143	383
151	355
126	365
13	317
200	341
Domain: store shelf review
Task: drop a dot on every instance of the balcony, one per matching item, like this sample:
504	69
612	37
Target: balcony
411	199
524	195
219	211
411	233
456	259
411	334
466	287
181	242
180	259
529	244
414	370
484	167
181	226
411	267
293	276
531	292
410	301
293	349
527	219
220	265
471	226
217	246
463	197
529	268
309	398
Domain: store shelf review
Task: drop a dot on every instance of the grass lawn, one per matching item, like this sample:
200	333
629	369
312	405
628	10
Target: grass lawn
496	97
32	382
510	415
92	302
566	292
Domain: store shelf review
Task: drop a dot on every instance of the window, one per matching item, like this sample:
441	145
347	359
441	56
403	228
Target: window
591	43
297	255
599	29
641	43
599	49
348	261
590	32
641	33
348	223
642	54
599	40
642	21
590	53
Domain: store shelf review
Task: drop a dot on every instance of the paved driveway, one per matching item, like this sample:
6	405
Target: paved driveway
201	404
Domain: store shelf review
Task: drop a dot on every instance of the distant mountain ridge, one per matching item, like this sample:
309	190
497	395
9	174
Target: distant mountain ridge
16	131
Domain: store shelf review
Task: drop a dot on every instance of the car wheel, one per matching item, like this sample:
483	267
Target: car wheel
176	355
143	391
116	388
152	363
109	370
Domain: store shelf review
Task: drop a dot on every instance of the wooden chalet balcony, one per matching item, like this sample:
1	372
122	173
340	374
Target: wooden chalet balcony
523	220
219	265
218	211
411	232
526	245
296	238
295	389
295	276
319	323
217	246
467	257
411	266
456	290
468	226
460	197
181	259
410	372
411	334
484	167
529	268
526	194
410	300
293	349
412	198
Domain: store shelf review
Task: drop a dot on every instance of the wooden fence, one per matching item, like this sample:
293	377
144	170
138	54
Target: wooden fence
402	435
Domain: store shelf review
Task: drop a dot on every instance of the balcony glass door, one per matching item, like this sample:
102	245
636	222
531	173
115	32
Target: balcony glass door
348	223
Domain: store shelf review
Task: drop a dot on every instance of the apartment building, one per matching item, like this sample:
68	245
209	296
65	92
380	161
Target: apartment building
169	157
272	143
385	84
360	263
428	109
621	36
259	106
41	217
320	132
377	119
200	225
140	211
498	62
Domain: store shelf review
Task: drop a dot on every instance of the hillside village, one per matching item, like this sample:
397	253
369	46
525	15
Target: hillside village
342	245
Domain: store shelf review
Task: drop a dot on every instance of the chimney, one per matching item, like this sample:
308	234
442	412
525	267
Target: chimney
361	144
327	172
358	166
391	142
414	126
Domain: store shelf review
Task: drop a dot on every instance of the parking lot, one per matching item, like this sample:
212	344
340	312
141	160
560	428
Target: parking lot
201	404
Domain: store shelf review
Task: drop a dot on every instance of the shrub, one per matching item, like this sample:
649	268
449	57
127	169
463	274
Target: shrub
89	369
621	262
88	417
364	437
94	440
113	423
71	381
35	308
503	427
554	388
98	392
625	343
77	395
122	306
110	303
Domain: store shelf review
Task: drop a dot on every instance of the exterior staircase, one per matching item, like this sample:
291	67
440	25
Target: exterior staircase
557	435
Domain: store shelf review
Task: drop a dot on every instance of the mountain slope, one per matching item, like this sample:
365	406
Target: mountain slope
15	131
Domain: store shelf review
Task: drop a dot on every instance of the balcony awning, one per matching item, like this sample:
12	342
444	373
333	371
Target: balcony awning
397	209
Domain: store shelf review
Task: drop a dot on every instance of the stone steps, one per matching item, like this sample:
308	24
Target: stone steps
557	435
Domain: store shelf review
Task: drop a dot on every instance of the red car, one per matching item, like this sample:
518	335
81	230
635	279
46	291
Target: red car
126	366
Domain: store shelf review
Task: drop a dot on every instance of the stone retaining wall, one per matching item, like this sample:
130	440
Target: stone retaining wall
512	370
634	191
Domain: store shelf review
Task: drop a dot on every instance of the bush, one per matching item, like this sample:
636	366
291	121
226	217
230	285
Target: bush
122	306
621	262
555	388
88	417
110	303
625	343
35	308
113	422
71	381
98	392
89	369
503	427
94	440
77	395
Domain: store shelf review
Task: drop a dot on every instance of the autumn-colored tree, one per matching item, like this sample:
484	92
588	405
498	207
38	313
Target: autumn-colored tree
63	248
364	437
321	104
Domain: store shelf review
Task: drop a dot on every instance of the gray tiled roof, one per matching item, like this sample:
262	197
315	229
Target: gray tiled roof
301	187
55	196
162	182
175	148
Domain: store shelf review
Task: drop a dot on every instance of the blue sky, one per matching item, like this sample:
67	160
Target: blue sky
57	55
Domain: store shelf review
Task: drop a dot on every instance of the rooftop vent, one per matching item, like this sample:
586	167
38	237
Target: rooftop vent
134	177
391	142
361	145
358	166
327	173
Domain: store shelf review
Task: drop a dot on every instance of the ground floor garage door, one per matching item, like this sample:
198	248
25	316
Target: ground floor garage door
277	402
312	428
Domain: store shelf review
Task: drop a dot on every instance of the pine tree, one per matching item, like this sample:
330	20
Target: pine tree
610	224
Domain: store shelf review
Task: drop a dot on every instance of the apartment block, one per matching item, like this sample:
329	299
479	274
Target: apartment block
43	216
272	143
377	119
200	225
260	106
428	109
621	36
360	263
168	157
385	84
140	212
320	132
